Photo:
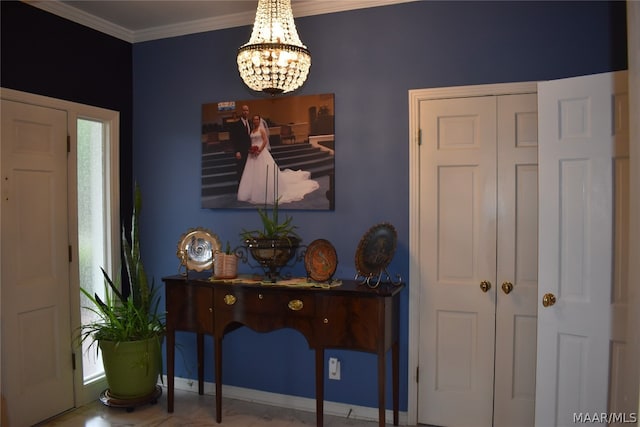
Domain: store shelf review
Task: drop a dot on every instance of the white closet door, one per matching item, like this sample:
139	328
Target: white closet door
517	261
458	239
479	191
575	255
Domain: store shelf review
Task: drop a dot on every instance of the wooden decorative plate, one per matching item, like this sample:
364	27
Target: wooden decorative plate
375	250
320	260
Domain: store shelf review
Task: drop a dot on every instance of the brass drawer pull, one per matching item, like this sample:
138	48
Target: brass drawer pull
295	305
230	299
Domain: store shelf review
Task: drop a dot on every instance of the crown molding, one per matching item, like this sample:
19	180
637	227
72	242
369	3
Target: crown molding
193	27
301	8
80	17
311	7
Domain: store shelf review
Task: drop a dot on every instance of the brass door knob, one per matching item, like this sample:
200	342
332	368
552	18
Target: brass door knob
485	285
507	287
548	300
230	299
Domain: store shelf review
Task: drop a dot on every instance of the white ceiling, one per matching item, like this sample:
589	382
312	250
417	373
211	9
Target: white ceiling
143	20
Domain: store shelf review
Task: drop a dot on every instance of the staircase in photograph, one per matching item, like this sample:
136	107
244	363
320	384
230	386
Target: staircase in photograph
219	168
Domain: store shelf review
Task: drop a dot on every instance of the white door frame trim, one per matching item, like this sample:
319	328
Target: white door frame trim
89	392
415	97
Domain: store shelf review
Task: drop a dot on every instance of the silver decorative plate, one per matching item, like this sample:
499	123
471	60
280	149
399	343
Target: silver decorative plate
196	248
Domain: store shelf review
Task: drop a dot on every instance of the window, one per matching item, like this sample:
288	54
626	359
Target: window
93	238
93	179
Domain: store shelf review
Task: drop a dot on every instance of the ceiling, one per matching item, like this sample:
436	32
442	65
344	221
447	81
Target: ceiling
143	20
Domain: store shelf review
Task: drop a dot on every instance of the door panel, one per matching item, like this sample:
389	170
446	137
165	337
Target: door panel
36	339
456	256
575	256
517	260
457	181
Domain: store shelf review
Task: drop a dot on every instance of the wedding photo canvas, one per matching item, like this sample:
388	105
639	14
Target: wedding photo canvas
257	151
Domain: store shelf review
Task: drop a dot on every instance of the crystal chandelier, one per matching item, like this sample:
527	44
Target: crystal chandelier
274	60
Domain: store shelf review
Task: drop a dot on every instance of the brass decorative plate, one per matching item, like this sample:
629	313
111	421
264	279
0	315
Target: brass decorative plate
320	260
375	250
196	248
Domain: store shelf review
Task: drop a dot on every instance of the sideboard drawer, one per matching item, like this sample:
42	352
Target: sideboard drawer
351	322
266	302
189	308
264	310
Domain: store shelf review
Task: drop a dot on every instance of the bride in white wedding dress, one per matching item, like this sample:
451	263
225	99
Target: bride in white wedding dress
262	180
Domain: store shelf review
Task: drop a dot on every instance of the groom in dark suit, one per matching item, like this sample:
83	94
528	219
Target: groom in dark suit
241	139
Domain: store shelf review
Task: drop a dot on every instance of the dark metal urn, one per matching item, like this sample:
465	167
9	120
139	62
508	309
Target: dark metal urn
272	254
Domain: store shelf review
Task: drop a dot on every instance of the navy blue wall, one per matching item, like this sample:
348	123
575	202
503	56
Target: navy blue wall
51	56
369	59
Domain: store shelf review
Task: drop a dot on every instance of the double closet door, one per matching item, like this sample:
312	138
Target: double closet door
479	258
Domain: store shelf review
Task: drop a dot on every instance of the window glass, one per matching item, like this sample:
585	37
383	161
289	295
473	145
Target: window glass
92	229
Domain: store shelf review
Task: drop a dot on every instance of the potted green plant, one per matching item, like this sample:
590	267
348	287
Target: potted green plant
128	329
275	244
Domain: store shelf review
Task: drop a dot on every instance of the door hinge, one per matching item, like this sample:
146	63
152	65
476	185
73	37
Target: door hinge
417	374
419	136
70	254
68	143
73	361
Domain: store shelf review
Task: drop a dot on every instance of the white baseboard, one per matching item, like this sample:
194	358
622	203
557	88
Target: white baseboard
286	401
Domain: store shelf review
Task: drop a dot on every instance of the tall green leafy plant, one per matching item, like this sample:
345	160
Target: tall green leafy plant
272	228
130	318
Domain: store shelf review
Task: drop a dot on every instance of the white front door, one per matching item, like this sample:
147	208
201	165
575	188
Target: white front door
37	375
478	260
577	136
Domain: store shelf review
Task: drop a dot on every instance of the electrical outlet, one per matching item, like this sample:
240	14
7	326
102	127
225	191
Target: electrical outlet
334	368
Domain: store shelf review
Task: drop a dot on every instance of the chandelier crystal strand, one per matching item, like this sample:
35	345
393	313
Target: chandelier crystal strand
274	60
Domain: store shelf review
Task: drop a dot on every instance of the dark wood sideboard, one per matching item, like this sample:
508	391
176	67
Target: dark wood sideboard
350	316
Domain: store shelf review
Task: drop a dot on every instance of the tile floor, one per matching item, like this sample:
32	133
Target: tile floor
193	410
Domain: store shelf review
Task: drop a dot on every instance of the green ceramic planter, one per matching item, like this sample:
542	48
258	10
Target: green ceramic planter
132	367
